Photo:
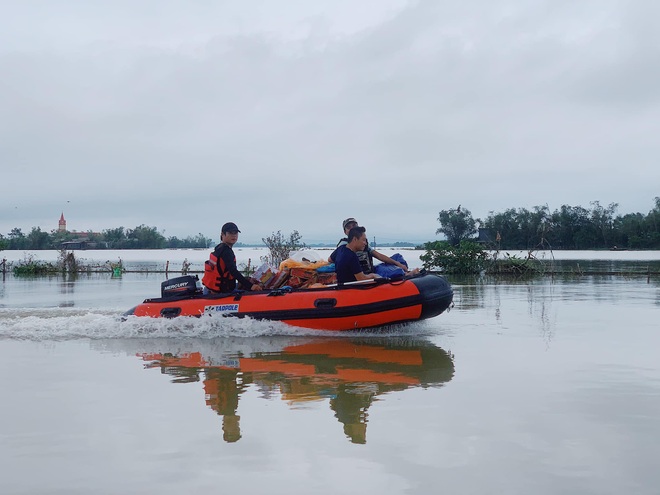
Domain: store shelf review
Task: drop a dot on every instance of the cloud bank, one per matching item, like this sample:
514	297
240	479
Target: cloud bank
295	115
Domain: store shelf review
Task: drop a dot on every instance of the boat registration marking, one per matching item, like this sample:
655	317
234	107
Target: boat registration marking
221	308
230	363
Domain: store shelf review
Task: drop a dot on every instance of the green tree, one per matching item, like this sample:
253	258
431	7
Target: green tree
198	241
173	242
521	228
653	224
37	239
116	238
143	237
534	226
571	227
506	224
457	225
17	239
630	231
603	222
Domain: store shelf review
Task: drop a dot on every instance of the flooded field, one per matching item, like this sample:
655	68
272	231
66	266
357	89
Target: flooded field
544	386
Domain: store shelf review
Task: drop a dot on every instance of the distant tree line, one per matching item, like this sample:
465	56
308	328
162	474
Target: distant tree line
569	227
141	237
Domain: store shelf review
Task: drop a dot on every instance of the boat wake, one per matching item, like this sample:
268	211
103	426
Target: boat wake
70	324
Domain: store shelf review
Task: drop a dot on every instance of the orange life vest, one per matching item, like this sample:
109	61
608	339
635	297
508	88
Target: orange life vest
216	277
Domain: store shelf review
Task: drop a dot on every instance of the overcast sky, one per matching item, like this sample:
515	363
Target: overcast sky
296	114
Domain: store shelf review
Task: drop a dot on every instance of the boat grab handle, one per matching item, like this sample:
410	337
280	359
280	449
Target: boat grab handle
170	312
281	291
325	303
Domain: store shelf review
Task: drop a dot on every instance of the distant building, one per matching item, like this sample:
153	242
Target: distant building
486	236
82	239
80	244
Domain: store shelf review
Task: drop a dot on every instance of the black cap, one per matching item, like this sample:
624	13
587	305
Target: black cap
229	227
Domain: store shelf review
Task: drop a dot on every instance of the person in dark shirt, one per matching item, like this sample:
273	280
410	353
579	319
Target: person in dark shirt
220	270
367	255
347	264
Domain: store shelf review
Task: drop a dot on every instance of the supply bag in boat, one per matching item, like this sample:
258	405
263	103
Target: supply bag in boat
330	268
179	286
391	271
388	271
311	265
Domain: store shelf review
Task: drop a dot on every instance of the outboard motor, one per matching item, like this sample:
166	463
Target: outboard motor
180	286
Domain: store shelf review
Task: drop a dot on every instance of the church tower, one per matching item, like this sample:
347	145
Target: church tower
62	225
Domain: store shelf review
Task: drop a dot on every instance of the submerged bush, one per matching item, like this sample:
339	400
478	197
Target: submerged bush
66	263
280	247
30	266
471	258
247	269
467	257
514	265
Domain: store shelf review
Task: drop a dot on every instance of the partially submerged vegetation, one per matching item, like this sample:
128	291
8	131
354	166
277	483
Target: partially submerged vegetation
461	253
472	258
280	247
514	265
464	253
473	246
31	266
67	263
465	257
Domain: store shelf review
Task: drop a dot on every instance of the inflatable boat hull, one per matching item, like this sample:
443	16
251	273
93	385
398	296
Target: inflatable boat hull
346	307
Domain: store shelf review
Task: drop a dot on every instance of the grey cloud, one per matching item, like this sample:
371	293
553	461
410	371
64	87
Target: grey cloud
491	105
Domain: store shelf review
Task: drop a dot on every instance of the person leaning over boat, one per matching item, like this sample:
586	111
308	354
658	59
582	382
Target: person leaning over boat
220	270
347	264
367	255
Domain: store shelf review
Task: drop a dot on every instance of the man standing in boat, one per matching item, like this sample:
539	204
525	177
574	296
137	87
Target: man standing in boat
220	270
347	264
367	255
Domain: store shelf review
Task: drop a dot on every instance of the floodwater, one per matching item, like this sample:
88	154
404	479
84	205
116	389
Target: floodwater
541	386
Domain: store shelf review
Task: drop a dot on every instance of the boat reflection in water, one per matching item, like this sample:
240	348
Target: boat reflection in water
349	373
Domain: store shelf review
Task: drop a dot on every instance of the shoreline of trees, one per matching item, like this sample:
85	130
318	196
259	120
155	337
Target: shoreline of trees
566	228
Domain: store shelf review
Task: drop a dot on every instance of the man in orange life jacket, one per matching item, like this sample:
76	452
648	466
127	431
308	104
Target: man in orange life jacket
220	271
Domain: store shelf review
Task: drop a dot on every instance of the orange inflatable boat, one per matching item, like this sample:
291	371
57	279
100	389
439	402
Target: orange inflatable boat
337	307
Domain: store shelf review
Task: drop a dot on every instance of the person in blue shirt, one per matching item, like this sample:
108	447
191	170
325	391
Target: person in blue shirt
347	264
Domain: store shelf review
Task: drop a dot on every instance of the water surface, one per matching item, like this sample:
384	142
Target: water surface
549	385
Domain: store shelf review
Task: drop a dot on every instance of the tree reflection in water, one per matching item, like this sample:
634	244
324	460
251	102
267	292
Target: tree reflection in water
350	373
